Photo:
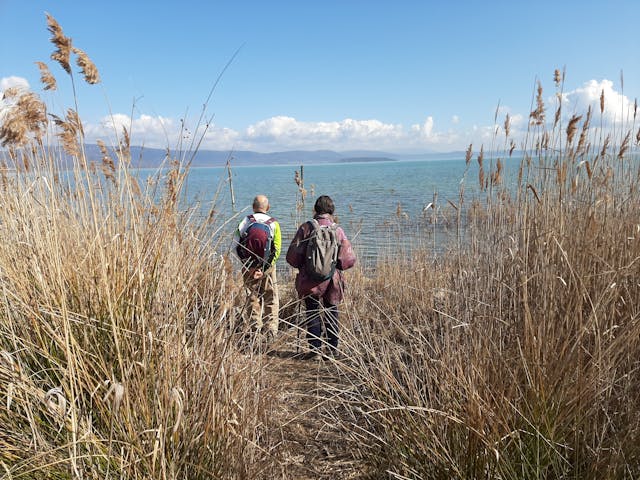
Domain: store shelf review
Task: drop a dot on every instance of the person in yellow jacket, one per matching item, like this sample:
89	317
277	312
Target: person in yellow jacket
258	243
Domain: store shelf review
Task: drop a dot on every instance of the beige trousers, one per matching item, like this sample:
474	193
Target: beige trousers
264	304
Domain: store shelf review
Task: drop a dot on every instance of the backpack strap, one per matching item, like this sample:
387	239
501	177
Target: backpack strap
315	225
252	219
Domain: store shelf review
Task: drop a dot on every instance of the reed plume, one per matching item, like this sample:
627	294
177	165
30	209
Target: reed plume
108	166
71	132
62	54
87	67
47	79
468	154
481	178
605	146
624	146
572	127
537	115
496	176
10	93
584	132
24	120
557	77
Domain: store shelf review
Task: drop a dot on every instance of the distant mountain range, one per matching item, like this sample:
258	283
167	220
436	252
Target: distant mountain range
150	157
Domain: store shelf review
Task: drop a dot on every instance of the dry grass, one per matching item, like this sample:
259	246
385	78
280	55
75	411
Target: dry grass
117	353
515	356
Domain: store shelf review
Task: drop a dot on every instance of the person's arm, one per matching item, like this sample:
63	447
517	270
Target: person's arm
346	255
237	234
297	249
277	242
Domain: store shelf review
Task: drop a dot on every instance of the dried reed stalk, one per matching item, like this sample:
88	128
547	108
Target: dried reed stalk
70	132
47	79
25	119
537	115
62	43
572	127
87	67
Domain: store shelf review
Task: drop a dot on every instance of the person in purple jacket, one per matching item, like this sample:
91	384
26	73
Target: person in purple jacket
324	295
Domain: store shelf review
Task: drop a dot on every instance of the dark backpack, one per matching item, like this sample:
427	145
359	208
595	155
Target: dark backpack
254	247
322	251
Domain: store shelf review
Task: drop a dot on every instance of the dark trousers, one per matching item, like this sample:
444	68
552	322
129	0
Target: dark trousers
315	307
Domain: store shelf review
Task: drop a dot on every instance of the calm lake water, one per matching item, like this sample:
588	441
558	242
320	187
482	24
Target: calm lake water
380	205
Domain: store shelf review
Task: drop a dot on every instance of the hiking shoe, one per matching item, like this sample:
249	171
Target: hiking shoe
316	358
336	355
313	356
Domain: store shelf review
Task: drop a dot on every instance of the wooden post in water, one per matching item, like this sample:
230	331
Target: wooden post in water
233	196
302	193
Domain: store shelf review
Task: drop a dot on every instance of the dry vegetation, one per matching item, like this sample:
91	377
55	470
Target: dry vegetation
115	353
514	356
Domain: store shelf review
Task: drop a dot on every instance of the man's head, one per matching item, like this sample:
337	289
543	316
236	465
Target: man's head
323	205
261	204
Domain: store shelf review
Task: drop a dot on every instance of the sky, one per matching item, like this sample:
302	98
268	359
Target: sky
394	76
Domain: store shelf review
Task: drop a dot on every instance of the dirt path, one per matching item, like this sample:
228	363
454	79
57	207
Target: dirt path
312	445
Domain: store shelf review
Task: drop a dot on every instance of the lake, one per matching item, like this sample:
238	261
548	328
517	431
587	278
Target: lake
380	205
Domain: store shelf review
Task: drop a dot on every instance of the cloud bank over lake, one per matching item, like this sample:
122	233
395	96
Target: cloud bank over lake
282	132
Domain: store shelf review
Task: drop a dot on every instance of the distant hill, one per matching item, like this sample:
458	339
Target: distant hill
152	157
143	157
367	159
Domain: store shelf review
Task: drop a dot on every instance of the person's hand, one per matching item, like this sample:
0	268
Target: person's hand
258	274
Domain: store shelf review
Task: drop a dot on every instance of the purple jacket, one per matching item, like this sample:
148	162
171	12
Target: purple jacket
331	290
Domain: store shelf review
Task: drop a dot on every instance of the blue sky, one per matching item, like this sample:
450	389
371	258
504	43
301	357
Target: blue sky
401	76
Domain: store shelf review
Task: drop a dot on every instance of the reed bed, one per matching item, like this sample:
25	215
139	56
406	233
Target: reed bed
117	353
515	355
512	355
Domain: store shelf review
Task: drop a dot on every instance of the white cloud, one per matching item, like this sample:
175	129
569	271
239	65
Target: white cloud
289	128
288	133
147	130
340	135
425	130
9	82
517	120
276	133
160	132
617	107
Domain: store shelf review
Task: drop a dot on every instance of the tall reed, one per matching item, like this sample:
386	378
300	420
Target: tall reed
116	353
515	355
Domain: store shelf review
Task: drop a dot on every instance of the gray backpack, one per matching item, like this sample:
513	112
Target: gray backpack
322	251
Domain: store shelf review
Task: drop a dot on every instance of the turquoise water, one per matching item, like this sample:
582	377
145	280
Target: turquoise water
380	205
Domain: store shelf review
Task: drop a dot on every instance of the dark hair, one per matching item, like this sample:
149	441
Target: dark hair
324	204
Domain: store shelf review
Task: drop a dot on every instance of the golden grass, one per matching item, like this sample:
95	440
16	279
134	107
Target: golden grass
117	350
516	354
